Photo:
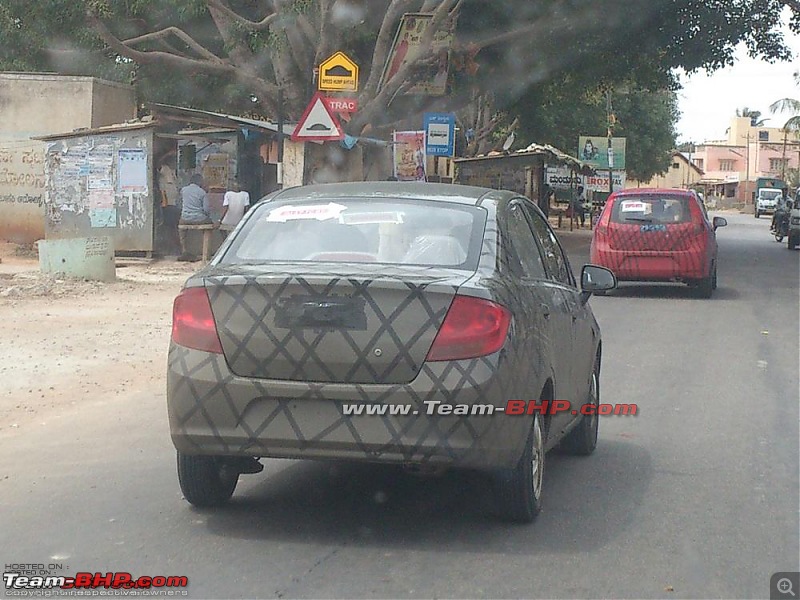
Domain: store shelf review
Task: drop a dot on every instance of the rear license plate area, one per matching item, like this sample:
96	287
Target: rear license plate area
653	228
321	312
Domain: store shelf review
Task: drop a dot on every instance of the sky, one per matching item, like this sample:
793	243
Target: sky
708	102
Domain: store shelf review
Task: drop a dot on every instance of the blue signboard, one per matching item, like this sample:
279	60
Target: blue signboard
440	133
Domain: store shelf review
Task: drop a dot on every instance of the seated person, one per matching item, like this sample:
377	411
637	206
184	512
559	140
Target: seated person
195	210
782	210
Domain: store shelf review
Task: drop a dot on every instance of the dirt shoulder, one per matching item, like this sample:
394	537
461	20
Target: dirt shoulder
66	342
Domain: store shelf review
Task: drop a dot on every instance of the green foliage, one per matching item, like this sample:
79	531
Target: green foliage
788	105
559	112
580	46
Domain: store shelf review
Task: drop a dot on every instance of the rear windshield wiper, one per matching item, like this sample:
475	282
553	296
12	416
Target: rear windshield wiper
639	219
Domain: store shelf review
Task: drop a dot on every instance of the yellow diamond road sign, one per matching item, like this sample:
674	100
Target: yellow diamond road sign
338	74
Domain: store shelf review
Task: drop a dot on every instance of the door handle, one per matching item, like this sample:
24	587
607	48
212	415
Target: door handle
545	310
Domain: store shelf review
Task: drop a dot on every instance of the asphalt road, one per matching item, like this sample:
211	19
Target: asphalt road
696	497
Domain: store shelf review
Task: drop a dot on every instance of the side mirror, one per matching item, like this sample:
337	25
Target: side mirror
596	279
720	222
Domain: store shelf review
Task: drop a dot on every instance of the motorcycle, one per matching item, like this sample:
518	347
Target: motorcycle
781	229
787	224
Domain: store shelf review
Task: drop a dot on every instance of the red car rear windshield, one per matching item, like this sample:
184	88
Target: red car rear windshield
651	208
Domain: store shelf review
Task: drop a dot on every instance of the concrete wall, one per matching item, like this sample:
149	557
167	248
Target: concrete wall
293	163
81	258
741	131
34	104
682	176
761	155
112	103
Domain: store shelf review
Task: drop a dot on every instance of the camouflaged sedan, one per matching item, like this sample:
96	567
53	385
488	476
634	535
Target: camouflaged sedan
335	316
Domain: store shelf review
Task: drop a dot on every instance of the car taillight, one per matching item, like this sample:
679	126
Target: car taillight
605	218
473	327
193	323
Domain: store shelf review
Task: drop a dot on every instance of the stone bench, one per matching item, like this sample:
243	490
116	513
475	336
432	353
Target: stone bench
207	229
558	212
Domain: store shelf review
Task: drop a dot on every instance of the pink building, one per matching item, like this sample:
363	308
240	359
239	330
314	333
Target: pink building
731	166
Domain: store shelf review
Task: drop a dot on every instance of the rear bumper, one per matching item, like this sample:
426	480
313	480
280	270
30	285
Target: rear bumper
652	266
214	412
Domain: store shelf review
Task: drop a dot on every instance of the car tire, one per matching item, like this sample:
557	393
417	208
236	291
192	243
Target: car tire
792	242
582	440
757	214
705	287
206	480
519	490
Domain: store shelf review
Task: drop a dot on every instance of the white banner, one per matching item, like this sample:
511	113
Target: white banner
562	178
599	182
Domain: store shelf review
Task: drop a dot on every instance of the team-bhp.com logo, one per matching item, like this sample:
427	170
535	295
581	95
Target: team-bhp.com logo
87	581
512	407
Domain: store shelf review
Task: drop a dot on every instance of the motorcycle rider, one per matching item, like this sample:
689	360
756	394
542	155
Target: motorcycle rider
781	216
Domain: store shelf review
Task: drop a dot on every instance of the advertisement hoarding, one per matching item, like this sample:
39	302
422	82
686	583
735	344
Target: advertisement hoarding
594	151
562	178
406	47
409	155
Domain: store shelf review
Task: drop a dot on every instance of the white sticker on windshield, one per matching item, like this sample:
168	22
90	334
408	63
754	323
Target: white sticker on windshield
317	212
395	218
632	206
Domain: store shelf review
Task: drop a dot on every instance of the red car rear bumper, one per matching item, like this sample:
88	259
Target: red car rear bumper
633	265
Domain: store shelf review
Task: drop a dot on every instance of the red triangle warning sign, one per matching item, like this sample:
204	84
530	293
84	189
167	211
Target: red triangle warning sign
317	123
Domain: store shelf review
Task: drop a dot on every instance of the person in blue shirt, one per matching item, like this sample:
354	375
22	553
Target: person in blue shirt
195	210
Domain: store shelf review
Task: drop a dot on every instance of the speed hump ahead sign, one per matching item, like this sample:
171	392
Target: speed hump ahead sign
338	74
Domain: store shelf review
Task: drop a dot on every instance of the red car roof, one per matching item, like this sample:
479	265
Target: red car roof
640	191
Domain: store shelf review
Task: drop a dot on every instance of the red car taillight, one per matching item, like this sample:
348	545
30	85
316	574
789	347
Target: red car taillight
473	327
193	323
605	218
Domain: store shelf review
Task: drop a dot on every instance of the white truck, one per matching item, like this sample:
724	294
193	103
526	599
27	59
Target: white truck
767	200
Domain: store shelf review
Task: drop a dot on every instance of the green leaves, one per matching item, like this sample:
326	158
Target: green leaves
561	53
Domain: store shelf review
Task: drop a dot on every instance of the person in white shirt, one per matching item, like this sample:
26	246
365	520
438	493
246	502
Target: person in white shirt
234	205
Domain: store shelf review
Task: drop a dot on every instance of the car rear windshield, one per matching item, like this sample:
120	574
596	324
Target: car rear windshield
356	230
651	208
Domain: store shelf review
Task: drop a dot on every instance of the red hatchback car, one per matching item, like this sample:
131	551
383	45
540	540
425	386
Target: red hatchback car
658	235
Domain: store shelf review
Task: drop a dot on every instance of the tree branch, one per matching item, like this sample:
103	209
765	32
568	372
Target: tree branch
304	25
172	49
218	67
246	23
300	51
793	4
324	44
180	34
383	44
391	87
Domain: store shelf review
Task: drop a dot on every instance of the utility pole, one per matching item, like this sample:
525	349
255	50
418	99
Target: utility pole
747	175
280	138
611	121
783	157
